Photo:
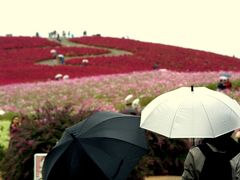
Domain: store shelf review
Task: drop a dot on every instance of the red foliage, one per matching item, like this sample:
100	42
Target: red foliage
25	42
167	57
19	57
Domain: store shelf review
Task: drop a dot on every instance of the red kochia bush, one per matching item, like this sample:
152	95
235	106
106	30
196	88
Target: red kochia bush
168	57
25	42
18	61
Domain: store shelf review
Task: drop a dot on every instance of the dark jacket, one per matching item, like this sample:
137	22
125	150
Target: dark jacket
195	159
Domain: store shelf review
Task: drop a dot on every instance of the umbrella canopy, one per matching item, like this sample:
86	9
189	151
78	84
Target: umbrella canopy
53	51
191	113
226	75
106	145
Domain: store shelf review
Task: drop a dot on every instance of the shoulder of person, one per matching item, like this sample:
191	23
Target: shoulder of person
236	160
196	153
195	158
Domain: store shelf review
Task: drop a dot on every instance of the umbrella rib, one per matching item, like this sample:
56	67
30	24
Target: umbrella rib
170	133
224	103
106	120
208	118
146	148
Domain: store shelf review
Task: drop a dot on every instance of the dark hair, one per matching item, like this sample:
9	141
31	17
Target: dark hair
222	142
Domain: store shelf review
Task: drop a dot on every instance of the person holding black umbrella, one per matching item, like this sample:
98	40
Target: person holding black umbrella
106	145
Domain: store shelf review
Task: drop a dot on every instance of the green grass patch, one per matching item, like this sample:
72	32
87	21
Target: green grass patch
4	133
8	116
213	86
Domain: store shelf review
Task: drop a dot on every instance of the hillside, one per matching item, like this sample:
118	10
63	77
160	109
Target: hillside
28	59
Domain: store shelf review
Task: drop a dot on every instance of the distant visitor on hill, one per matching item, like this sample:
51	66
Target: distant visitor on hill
131	106
136	106
155	66
85	62
60	57
54	53
224	83
65	77
15	123
58	77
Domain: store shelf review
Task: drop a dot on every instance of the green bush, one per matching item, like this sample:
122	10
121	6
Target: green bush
165	157
37	134
2	152
212	86
8	116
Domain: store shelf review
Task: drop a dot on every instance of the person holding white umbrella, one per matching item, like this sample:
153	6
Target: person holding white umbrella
196	112
214	158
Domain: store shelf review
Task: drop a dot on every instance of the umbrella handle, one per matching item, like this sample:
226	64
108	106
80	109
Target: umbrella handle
193	142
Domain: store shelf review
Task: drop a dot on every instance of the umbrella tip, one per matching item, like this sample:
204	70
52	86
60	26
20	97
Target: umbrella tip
192	88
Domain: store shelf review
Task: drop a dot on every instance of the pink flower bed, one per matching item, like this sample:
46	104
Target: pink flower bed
105	91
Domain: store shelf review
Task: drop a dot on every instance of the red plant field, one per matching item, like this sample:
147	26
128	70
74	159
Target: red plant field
19	58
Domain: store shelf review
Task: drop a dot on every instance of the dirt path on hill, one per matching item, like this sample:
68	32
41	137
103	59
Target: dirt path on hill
66	43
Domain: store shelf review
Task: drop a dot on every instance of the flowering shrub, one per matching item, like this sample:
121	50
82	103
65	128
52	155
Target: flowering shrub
106	92
38	133
166	156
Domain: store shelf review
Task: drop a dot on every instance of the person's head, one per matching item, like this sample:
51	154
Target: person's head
16	121
136	104
65	77
221	142
223	78
85	61
58	76
128	100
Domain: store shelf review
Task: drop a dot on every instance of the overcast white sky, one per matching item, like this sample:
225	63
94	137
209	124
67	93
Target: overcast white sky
210	25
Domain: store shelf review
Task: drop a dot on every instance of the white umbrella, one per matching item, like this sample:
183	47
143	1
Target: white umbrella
191	113
53	51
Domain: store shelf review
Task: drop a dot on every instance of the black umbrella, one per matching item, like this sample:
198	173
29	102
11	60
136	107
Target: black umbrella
106	145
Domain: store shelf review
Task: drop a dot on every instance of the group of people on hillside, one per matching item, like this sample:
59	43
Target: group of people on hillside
59	77
59	57
59	36
224	82
60	60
